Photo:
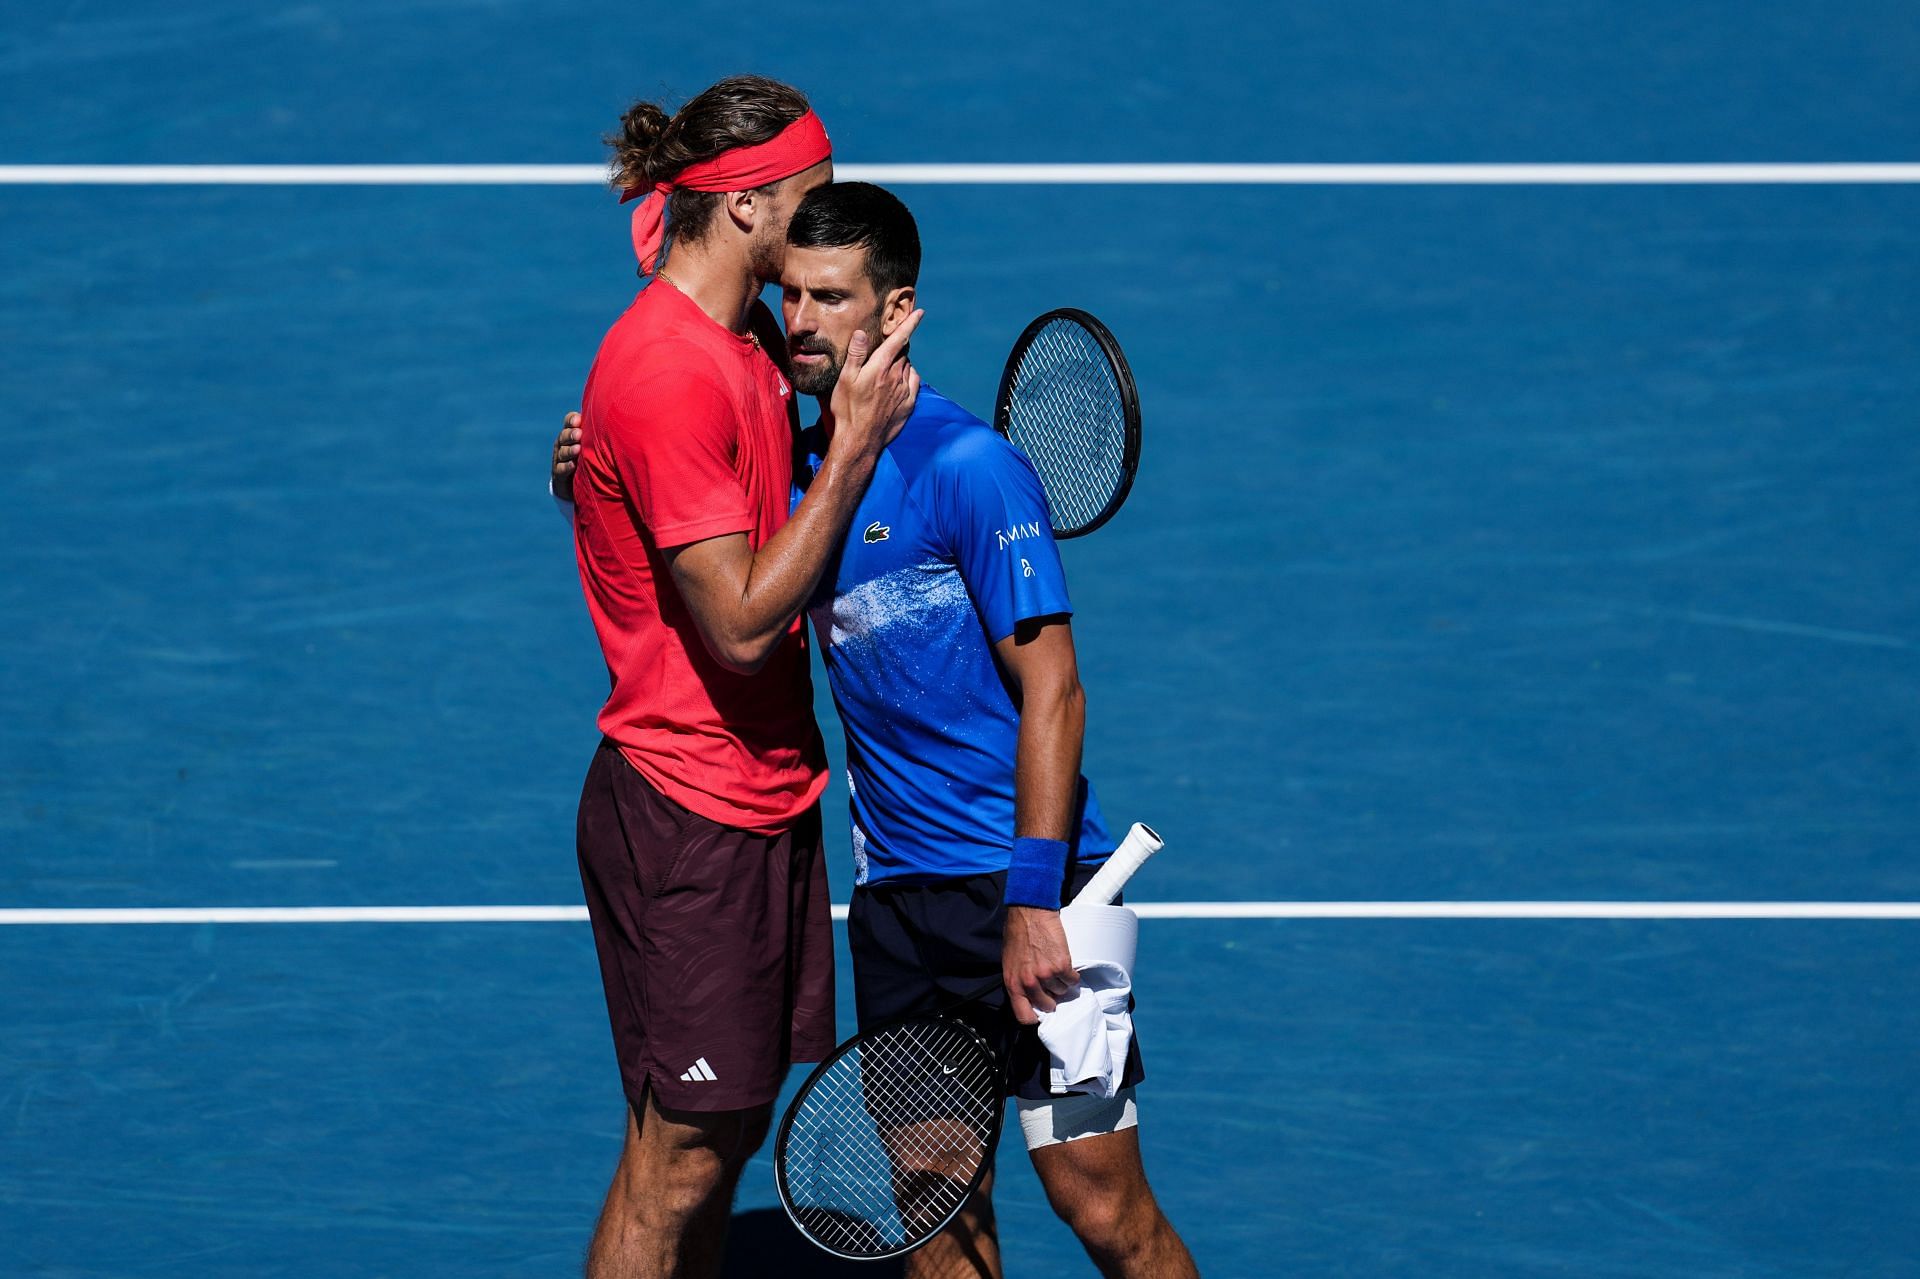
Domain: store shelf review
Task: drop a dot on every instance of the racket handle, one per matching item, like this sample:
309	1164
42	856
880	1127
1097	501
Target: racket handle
1141	843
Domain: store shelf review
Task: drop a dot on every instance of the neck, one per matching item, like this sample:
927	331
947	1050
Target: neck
720	282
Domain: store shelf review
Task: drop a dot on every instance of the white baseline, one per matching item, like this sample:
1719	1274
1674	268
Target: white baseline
1834	910
1871	172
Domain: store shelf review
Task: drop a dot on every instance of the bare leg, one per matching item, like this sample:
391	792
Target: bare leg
1098	1186
666	1211
969	1248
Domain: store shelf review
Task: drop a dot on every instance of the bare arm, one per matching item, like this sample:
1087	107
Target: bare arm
1040	664
744	600
1040	661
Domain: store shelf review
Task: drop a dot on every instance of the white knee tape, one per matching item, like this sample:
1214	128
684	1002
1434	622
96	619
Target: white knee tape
1069	1118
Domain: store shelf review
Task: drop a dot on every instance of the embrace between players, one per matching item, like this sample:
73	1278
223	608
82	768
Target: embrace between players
705	523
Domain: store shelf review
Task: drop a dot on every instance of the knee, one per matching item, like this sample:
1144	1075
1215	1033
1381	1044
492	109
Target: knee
714	1143
725	1141
670	1182
1112	1221
680	1191
1093	1217
678	1168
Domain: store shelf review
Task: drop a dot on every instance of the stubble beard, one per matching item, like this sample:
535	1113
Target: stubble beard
820	380
767	256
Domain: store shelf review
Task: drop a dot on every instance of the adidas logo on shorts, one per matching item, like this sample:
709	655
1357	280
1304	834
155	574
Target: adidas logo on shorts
699	1073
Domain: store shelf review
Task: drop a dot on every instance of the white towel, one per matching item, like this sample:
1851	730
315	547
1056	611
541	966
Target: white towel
1089	1031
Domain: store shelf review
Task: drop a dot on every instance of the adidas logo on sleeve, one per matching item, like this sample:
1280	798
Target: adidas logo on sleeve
699	1073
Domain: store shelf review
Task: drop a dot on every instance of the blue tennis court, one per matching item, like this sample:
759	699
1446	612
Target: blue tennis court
1511	543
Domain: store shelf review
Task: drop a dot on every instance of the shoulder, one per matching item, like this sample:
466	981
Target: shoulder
966	476
948	445
975	464
657	367
651	341
670	394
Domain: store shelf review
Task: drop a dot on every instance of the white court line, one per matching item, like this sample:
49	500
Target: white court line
988	174
297	915
1527	910
1146	910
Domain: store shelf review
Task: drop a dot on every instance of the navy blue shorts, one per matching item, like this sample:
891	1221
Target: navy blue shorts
918	947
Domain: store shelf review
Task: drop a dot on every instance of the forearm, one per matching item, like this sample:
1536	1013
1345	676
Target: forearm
1046	789
777	580
743	599
1046	784
1035	961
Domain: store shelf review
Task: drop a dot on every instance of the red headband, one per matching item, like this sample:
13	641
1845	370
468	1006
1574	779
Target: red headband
799	146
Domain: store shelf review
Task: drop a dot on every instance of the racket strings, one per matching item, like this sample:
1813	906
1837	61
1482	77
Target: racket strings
1066	412
885	1146
878	1093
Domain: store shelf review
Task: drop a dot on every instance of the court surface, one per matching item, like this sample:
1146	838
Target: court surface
1507	543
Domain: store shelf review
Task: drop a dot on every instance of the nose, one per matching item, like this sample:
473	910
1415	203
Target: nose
800	324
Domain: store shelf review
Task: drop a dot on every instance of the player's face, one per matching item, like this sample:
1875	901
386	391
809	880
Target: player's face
770	226
826	298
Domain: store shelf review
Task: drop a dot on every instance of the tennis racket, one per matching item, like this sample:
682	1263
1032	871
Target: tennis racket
890	1135
1067	399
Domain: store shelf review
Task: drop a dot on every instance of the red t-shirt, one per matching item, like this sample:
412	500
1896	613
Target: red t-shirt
684	436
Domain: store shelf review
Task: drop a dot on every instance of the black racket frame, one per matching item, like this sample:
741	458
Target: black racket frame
1129	402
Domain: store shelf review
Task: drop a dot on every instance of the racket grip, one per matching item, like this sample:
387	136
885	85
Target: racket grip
1141	843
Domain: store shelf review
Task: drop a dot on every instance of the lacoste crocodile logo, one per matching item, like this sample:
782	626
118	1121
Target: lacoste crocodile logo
876	532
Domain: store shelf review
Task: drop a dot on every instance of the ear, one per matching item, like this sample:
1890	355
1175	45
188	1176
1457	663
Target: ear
897	307
742	207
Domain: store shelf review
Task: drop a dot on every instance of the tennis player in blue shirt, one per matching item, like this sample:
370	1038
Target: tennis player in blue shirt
944	624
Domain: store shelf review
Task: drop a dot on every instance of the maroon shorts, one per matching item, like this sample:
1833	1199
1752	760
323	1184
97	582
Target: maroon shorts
716	946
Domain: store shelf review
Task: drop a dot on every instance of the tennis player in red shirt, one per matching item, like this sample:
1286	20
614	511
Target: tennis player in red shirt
699	826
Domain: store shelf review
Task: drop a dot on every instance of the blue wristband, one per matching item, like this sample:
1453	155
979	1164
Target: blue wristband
1035	873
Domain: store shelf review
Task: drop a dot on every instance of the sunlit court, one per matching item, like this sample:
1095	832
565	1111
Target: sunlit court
1511	626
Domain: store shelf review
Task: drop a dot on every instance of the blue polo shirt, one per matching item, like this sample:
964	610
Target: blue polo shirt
950	550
